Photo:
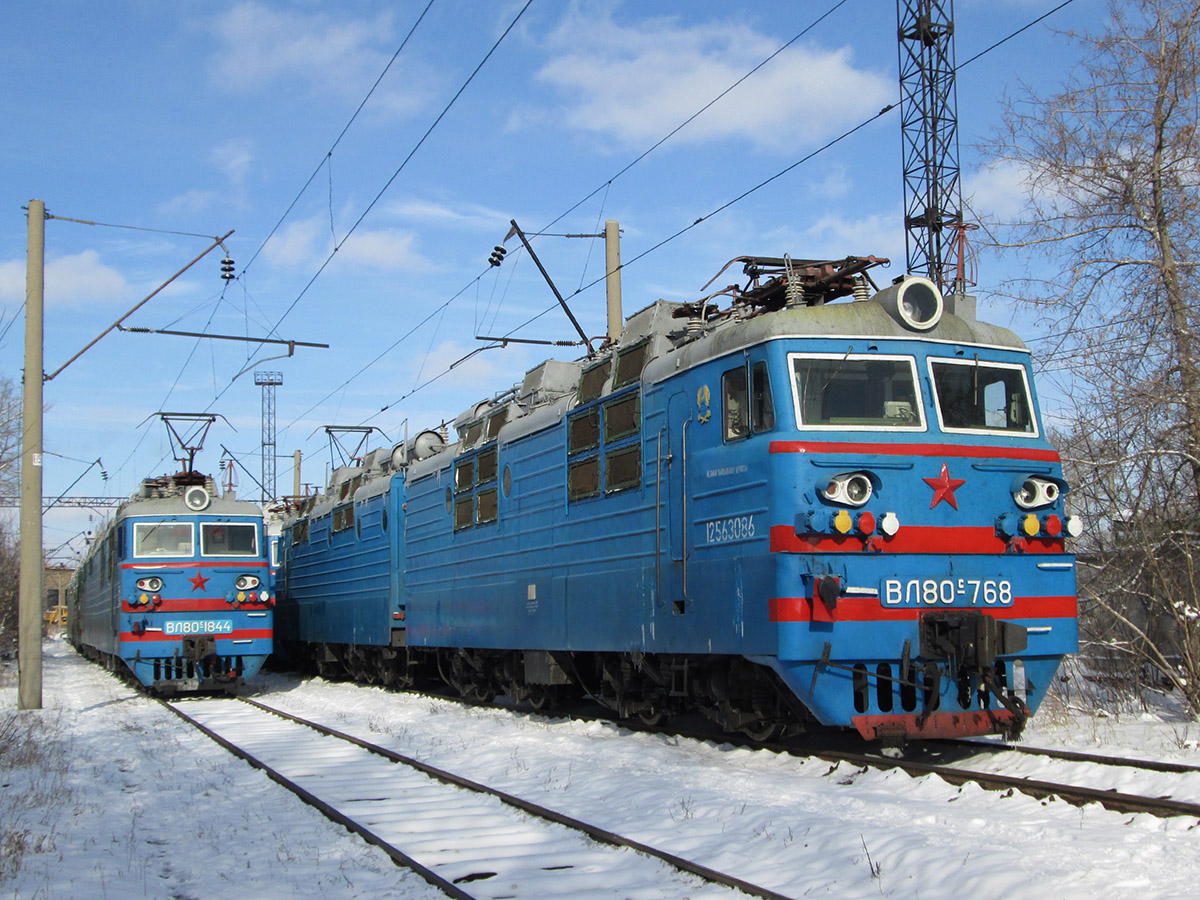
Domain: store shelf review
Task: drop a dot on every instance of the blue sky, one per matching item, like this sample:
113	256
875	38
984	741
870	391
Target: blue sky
201	118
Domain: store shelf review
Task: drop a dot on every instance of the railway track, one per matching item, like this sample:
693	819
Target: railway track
1149	765
469	840
920	764
1075	794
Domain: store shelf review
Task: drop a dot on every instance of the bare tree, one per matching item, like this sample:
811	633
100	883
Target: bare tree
1113	170
10	437
10	458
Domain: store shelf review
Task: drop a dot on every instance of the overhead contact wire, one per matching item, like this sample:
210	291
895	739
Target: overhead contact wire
402	166
338	140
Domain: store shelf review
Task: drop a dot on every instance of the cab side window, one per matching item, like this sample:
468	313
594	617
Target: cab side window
746	408
762	410
735	405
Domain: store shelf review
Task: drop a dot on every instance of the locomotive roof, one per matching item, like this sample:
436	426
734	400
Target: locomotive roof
164	496
854	320
169	506
679	336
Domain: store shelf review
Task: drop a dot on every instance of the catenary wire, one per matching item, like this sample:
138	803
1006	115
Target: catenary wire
388	184
741	196
401	167
608	183
338	140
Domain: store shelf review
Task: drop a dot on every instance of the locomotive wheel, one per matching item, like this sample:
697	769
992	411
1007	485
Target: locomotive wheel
652	716
763	730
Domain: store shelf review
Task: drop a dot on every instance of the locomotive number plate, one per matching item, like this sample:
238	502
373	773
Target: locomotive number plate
724	531
198	626
909	592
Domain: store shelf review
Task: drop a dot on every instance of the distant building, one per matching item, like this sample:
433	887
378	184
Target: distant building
54	585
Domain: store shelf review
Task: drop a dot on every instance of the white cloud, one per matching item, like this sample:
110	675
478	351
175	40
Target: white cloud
79	280
837	184
296	243
320	52
308	241
387	248
233	158
12	283
835	236
189	203
636	83
459	216
998	191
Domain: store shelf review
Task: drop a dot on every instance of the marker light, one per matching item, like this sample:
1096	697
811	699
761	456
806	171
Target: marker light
1074	526
889	524
848	488
866	522
151	584
841	522
1036	492
246	582
1008	524
1054	526
1031	525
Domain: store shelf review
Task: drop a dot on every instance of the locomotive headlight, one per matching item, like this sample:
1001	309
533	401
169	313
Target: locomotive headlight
913	301
1036	492
849	489
246	582
153	584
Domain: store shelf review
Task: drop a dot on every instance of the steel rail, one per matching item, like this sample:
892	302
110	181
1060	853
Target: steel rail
1152	765
330	812
1073	794
534	809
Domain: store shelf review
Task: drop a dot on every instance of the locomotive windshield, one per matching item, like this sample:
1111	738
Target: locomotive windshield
162	539
848	391
982	396
227	539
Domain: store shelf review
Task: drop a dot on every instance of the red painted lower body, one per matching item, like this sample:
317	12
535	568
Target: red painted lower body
937	725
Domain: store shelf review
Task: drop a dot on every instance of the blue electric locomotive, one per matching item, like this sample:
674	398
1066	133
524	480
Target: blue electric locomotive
783	513
176	589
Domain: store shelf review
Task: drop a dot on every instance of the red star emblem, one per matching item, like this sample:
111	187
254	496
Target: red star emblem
944	487
200	581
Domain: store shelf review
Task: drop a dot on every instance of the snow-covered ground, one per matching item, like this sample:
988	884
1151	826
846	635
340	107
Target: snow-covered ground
106	794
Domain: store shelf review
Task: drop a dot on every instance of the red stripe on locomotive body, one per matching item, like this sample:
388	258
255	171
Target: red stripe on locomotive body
199	564
952	450
193	604
909	539
869	609
158	636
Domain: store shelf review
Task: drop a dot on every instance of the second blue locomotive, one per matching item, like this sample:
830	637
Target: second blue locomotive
177	589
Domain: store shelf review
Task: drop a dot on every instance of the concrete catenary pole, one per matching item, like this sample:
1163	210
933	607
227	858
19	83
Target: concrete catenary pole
612	266
29	619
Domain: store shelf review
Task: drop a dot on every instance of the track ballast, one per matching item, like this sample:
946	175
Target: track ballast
469	840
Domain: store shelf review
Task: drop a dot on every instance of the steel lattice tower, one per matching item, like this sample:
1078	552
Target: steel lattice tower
269	381
929	128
